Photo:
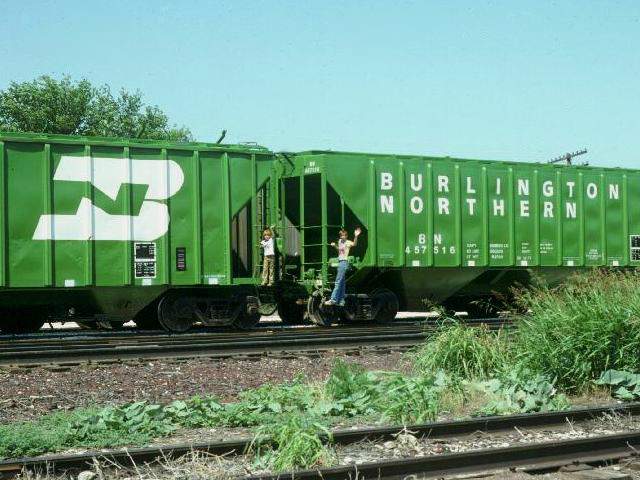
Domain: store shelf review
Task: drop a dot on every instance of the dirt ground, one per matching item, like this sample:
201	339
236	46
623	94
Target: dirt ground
28	393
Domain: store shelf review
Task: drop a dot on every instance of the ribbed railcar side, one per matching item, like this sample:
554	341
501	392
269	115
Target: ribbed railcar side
95	215
439	227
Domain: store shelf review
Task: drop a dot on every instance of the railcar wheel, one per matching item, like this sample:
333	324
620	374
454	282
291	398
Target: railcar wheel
291	313
246	320
248	315
175	314
319	313
268	309
386	304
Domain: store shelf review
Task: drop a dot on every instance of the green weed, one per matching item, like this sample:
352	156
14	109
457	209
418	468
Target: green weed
354	391
574	332
52	433
295	441
463	352
519	392
623	385
410	399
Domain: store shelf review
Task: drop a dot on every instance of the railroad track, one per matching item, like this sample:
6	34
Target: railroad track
533	457
55	349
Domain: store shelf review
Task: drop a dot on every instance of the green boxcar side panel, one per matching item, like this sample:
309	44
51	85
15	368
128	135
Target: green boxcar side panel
388	185
615	224
500	211
26	179
161	243
214	248
416	220
593	197
183	228
3	217
445	211
107	262
474	214
548	214
571	213
70	257
633	206
525	214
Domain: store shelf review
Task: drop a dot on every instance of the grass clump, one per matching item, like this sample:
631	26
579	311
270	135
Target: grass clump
589	324
463	352
390	396
295	441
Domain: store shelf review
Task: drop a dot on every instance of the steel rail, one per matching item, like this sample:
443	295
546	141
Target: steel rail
532	457
54	336
127	457
213	345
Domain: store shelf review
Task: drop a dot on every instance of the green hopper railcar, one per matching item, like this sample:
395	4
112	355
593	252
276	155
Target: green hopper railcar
101	230
449	231
106	230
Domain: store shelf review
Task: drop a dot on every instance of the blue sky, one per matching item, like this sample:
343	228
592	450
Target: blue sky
501	80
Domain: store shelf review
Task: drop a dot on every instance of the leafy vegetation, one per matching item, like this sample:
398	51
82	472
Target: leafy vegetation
52	432
520	393
623	385
574	332
47	105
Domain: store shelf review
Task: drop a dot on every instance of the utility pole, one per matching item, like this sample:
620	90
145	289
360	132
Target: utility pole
568	156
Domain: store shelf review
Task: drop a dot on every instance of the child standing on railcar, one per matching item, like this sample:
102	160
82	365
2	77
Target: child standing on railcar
343	246
269	257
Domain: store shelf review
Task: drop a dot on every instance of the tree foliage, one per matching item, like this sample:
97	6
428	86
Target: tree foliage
47	105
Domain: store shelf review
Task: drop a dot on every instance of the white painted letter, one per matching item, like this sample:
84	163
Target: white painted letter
498	186
471	202
613	192
443	183
547	189
571	209
416	186
523	187
386	181
470	188
548	210
416	204
498	206
524	208
443	206
386	203
571	185
592	190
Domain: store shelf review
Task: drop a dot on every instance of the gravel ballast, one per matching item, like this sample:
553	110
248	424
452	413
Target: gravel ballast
29	393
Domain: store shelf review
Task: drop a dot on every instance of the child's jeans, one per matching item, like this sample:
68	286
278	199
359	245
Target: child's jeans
341	281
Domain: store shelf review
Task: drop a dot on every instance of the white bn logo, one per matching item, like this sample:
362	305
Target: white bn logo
163	177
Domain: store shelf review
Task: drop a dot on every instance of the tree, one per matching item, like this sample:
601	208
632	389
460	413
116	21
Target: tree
47	105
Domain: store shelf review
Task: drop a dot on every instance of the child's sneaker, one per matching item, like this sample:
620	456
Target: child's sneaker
330	302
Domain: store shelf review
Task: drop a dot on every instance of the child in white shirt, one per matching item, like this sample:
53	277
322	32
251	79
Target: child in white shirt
269	258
